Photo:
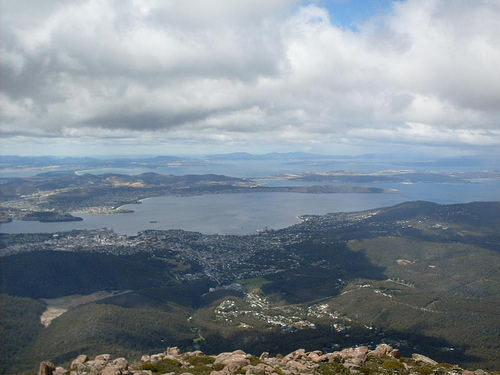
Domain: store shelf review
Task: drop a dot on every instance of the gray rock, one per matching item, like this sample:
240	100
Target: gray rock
232	367
111	370
77	365
238	356
424	359
334	357
298	354
121	363
82	358
103	357
173	351
296	365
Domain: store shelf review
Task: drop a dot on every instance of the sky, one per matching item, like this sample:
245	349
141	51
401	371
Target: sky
96	77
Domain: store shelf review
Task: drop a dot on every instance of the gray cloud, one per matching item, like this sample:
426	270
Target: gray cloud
249	71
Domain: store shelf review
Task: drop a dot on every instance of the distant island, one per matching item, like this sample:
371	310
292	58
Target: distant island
50	217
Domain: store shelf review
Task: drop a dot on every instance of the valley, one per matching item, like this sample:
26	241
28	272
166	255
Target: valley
419	276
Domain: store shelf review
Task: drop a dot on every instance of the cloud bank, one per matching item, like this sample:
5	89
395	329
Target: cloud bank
250	72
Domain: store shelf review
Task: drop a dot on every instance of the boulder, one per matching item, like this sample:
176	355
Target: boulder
333	357
232	367
103	357
111	370
260	369
82	358
121	363
424	359
173	351
96	365
296	365
77	365
293	356
238	356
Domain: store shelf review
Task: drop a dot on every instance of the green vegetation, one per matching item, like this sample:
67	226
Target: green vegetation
163	366
255	284
52	274
19	327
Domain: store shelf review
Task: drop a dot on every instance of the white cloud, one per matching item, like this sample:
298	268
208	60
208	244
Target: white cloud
250	71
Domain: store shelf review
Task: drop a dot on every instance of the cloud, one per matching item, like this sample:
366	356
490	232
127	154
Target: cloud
250	71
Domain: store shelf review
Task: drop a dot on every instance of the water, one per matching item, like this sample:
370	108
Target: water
246	213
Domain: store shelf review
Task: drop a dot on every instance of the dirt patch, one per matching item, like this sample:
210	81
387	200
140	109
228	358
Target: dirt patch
58	306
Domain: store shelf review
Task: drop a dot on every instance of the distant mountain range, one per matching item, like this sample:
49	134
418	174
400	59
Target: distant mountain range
20	162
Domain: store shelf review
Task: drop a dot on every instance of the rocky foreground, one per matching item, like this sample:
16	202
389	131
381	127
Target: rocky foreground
383	360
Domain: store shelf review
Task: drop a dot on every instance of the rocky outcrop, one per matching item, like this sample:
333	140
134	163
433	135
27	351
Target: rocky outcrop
360	360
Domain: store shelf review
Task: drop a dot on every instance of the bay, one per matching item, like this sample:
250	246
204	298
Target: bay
248	212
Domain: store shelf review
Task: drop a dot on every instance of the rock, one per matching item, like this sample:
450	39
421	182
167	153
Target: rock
82	358
298	354
46	368
334	357
296	365
102	357
264	356
121	363
59	371
96	365
173	351
111	370
424	359
238	356
381	350
77	365
467	372
145	358
156	357
232	367
260	369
